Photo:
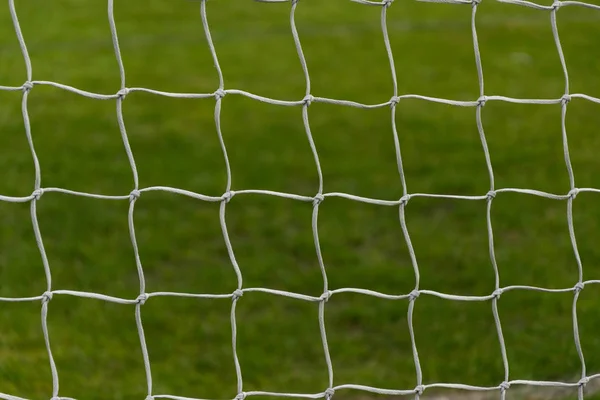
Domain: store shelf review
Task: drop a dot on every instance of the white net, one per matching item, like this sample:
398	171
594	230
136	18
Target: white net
420	387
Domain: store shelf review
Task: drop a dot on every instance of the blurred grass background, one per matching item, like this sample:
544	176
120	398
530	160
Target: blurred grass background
174	142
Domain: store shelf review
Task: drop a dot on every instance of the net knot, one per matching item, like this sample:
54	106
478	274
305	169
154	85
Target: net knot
37	193
149	397
413	295
583	381
324	297
141	299
475	2
483	99
556	5
134	195
394	101
497	293
318	199
504	386
27	86
219	94
404	199
387	3
491	194
121	94
240	396
308	99
329	393
419	389
237	293
55	398
46	297
565	98
227	196
578	287
573	193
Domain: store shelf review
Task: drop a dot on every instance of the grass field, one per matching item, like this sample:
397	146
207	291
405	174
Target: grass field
174	141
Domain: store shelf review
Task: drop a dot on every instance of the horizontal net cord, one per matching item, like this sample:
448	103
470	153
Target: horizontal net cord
236	294
122	93
370	389
227	196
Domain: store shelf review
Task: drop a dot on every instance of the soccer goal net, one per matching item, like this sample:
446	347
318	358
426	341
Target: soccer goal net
220	95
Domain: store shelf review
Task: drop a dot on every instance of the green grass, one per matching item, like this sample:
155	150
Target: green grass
174	142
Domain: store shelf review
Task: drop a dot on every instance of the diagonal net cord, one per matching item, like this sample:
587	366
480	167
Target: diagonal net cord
316	200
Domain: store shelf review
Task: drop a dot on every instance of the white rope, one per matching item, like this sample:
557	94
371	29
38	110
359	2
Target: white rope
218	95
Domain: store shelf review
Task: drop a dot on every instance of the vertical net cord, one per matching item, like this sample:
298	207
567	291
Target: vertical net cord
490	197
394	101
37	193
404	200
133	197
308	98
572	194
411	305
219	94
